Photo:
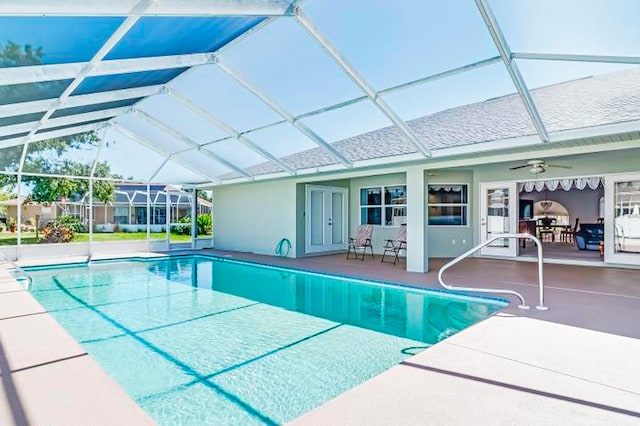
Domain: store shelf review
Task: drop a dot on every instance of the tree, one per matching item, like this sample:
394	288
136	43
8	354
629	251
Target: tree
50	189
43	156
47	157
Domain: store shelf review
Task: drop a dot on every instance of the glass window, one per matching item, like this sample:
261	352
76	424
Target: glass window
121	215
448	204
627	217
390	200
158	215
371	196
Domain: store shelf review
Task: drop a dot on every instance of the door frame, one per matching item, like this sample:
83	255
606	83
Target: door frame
512	250
327	200
610	256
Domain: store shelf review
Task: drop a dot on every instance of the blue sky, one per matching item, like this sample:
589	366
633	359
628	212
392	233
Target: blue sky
387	42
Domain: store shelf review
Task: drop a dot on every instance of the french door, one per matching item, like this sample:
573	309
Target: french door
622	219
326	218
498	215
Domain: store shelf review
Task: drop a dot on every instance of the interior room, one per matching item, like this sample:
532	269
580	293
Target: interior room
566	215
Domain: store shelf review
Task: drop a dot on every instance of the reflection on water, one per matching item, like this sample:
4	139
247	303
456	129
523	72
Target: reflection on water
400	312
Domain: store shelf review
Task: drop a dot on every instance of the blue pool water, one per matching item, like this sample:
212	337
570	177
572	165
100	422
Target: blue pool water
198	340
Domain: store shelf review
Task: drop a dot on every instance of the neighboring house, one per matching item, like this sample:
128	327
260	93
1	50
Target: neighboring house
128	210
30	211
465	192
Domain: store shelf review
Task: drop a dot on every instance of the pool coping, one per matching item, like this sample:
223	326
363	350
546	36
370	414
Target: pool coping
36	350
222	258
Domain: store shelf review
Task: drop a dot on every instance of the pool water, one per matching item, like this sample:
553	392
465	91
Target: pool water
199	340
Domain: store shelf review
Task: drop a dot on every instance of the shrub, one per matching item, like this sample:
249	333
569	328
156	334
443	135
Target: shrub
71	222
204	224
182	229
56	233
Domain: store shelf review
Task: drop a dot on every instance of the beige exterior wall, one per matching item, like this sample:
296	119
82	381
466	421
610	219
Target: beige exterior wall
254	217
30	211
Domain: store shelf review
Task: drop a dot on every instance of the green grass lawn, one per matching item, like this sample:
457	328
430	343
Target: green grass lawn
10	239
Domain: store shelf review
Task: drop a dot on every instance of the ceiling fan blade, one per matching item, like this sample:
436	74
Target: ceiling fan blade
559	166
519	167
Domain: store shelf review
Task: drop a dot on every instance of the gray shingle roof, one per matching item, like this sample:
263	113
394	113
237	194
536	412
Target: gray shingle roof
587	102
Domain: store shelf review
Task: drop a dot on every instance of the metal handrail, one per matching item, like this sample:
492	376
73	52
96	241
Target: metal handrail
19	269
523	304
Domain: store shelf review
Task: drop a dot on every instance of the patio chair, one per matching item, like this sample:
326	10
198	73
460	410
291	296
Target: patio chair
362	241
395	246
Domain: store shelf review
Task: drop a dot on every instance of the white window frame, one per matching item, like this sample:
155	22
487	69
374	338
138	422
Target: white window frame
120	209
465	205
383	206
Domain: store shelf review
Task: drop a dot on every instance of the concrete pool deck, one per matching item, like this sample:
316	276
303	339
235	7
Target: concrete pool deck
574	364
47	377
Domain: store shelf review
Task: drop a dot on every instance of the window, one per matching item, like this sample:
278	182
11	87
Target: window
141	215
448	204
383	205
627	217
158	216
121	215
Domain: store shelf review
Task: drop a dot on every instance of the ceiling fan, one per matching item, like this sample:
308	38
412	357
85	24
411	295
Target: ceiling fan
538	166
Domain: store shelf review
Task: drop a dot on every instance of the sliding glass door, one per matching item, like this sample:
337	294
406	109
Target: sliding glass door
622	219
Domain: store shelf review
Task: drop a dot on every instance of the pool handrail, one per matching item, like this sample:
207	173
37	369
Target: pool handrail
523	304
19	269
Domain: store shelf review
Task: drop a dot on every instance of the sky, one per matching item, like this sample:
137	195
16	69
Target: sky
387	42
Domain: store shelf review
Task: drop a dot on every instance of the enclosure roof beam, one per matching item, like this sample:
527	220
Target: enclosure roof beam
50	72
284	113
10	110
228	129
392	89
378	101
577	58
149	144
205	8
64	121
512	68
118	34
190	142
160	167
60	133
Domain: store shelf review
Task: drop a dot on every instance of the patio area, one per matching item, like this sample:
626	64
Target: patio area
273	131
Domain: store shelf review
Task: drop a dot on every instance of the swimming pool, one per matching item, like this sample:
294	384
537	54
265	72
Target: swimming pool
201	340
